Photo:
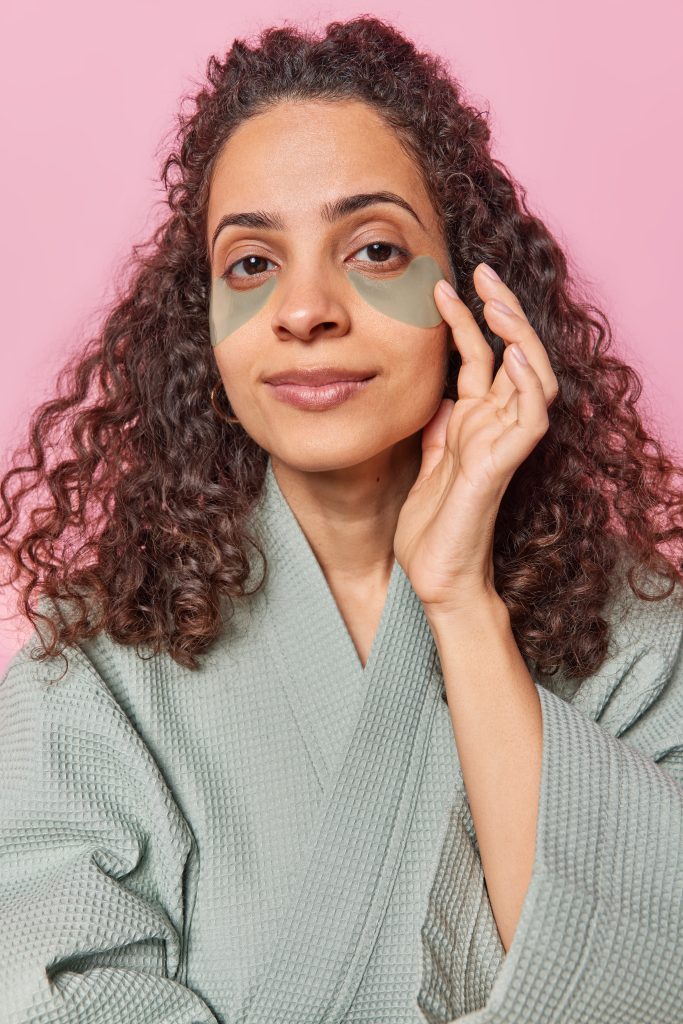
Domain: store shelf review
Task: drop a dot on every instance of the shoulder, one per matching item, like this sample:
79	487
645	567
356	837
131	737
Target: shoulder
95	675
66	700
54	729
68	742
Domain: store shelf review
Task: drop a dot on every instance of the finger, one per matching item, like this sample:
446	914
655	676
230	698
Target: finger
510	407
513	327
434	439
476	373
494	287
520	438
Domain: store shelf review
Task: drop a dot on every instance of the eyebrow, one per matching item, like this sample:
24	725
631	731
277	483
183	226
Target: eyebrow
329	212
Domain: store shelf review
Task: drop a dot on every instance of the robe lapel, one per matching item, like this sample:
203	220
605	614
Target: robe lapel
368	732
307	633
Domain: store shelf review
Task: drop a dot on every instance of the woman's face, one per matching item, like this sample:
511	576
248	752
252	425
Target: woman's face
306	291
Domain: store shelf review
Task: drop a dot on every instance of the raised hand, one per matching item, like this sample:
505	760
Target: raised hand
471	449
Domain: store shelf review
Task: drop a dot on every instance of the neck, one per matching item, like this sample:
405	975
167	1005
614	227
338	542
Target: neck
349	514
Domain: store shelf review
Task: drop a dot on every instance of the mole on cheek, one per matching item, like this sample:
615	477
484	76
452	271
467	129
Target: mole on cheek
229	309
408	297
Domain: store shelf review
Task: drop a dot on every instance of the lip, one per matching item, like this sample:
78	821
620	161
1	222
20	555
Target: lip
318	397
314	376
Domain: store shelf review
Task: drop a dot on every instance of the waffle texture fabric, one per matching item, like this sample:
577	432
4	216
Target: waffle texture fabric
284	836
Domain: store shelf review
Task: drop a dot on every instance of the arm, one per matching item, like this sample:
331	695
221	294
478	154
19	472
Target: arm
600	933
496	716
93	853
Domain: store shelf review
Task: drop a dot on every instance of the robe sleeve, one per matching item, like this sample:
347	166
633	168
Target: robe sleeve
600	934
96	859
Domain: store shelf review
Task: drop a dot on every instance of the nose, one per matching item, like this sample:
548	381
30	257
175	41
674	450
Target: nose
310	303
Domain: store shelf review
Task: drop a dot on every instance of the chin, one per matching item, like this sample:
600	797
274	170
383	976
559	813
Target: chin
320	454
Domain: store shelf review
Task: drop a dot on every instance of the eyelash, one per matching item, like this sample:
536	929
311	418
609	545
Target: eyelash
402	254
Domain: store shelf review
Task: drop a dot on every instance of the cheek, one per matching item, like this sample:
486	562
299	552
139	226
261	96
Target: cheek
229	309
415	363
235	363
408	298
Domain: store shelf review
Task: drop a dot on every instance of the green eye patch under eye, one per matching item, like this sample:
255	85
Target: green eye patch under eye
229	309
408	297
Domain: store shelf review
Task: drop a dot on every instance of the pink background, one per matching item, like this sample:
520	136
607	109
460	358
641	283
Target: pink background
585	102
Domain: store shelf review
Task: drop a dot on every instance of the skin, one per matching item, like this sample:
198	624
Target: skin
397	471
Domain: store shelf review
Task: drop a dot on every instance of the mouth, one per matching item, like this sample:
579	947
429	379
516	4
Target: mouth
315	376
317	397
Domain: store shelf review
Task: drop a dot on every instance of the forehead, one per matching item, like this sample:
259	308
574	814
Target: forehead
334	148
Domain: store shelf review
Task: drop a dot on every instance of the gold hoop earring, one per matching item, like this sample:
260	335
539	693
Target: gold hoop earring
219	412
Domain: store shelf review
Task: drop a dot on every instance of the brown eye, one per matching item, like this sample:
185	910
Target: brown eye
380	252
249	261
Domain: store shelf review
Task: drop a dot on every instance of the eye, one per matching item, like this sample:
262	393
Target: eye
249	259
378	253
379	248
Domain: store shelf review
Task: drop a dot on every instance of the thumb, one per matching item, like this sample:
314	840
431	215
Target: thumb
434	439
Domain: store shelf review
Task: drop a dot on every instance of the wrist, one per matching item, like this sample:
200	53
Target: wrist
475	606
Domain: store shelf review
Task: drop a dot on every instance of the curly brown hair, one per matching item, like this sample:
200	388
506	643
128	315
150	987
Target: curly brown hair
144	529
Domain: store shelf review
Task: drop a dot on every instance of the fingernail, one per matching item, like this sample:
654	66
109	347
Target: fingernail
490	272
519	354
447	288
497	304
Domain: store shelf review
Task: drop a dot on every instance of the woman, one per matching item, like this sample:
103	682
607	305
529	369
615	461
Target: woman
272	814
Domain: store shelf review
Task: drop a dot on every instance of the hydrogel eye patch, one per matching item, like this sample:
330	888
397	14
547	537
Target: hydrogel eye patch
229	309
407	297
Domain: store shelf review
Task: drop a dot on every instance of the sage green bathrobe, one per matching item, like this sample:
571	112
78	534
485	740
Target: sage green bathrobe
284	837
